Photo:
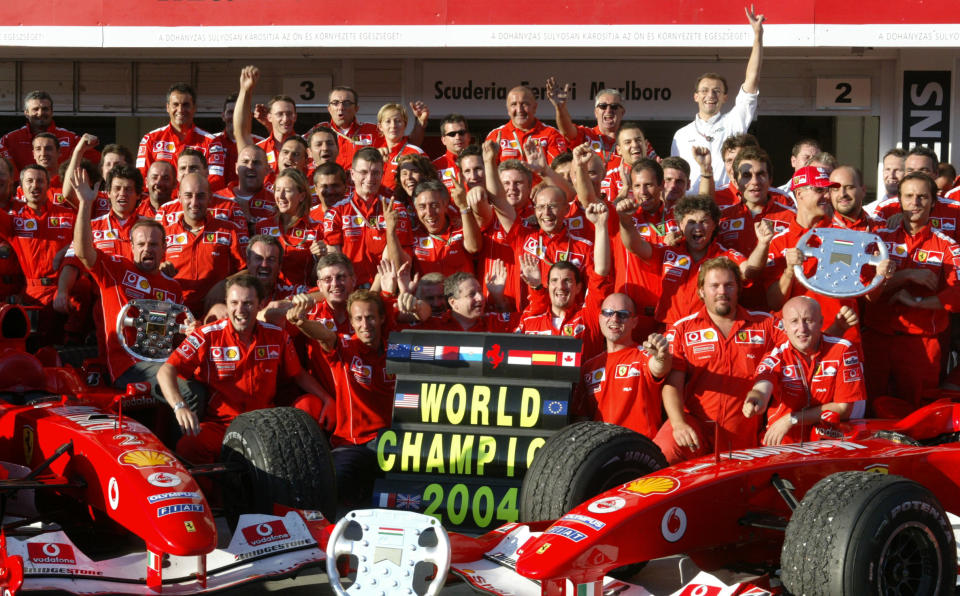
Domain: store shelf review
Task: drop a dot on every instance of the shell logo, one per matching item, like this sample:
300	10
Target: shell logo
144	284
232	353
653	485
709	334
683	261
145	458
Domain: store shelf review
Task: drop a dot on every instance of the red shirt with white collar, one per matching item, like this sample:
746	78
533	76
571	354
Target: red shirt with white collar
355	137
240	376
944	216
719	370
261	204
447	169
357	226
36	237
390	162
298	260
121	281
928	249
510	140
364	392
203	258
165	144
678	278
17	145
832	374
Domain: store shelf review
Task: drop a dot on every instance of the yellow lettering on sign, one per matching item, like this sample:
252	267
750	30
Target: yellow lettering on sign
480	405
461	454
431	400
435	457
411	452
456	404
486	450
511	456
532	448
503	419
386	462
529	407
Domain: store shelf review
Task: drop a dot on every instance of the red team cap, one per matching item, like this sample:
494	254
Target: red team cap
812	176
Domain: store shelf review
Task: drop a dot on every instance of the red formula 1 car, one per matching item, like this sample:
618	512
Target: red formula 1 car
863	510
93	502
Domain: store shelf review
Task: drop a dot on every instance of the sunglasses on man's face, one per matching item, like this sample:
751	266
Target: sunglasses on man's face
455	133
621	315
613	106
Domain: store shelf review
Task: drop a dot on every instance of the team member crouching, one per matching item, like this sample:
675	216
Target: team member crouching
810	374
365	391
622	385
240	360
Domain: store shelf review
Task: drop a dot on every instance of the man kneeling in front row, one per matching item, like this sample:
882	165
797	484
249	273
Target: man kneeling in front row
239	359
808	375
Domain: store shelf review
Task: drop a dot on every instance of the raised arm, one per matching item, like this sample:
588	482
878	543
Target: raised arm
82	234
752	76
297	314
582	155
242	119
598	213
557	93
629	235
472	240
421	115
86	142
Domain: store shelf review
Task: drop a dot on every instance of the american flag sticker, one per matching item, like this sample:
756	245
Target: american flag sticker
406	400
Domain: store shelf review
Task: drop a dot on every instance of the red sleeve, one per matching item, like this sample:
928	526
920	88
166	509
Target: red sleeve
677	348
291	362
950	296
332	227
189	355
769	370
556	145
143	155
216	160
849	385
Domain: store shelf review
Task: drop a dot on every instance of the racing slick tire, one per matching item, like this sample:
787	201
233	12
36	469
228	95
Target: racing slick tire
868	533
581	461
285	459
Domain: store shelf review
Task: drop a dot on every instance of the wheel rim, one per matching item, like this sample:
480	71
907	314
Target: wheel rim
910	562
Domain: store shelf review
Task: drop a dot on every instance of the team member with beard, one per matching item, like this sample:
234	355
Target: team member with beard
847	200
678	264
239	359
716	352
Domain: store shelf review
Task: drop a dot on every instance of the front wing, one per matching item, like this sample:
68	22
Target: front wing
263	547
678	576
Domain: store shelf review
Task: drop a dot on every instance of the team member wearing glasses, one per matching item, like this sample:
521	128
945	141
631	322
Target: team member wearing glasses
622	384
455	136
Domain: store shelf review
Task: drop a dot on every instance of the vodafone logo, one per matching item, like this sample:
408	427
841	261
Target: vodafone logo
674	524
51	553
265	533
113	493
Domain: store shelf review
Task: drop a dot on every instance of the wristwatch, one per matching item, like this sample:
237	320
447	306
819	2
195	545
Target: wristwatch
180	406
794	420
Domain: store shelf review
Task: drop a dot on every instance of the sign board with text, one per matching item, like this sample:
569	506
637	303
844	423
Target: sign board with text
926	110
471	410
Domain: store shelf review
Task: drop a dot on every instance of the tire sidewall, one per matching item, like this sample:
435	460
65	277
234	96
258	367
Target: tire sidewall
613	464
892	509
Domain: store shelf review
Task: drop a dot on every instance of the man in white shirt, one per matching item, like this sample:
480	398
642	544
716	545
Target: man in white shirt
710	128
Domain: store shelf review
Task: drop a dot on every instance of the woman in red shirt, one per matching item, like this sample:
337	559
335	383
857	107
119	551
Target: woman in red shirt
301	237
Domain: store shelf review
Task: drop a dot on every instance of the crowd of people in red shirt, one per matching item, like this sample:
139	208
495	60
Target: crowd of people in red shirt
299	254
